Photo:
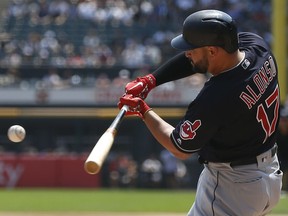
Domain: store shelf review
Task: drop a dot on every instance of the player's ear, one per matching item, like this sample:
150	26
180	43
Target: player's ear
212	50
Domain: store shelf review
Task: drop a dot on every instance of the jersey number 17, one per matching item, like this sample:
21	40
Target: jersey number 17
267	125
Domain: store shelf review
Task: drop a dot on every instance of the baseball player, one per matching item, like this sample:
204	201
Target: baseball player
231	123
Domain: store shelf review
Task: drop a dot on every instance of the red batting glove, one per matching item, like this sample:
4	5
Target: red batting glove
141	86
136	106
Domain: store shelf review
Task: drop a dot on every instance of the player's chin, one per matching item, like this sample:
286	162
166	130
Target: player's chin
200	69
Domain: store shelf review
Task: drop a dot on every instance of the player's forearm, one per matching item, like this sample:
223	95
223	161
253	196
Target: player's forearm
161	130
175	68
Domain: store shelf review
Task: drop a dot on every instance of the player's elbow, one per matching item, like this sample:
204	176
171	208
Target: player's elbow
177	153
181	155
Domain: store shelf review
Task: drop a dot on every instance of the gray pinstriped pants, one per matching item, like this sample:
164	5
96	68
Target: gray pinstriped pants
249	190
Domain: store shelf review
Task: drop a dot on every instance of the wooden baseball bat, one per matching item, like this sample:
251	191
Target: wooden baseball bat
101	149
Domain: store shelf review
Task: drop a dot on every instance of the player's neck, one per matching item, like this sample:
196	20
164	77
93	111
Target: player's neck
227	62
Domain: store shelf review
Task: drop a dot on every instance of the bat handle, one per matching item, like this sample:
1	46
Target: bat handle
125	107
115	124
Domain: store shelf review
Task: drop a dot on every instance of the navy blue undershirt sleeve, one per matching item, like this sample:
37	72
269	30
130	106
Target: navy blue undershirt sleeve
175	68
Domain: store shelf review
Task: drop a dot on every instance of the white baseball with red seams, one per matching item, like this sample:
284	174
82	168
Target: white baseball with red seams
16	133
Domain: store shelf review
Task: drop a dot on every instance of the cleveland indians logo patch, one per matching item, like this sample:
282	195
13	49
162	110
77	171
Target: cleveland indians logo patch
188	129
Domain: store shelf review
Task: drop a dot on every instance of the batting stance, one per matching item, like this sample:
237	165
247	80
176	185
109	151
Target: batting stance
231	124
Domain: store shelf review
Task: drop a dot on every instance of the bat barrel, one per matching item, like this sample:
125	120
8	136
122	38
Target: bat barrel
101	149
91	167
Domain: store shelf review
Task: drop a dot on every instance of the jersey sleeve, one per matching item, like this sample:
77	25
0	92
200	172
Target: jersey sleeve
196	128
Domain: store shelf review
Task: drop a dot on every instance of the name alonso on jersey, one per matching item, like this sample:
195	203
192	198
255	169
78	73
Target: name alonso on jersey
261	80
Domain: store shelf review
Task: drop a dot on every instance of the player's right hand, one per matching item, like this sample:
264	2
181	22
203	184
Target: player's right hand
141	86
136	106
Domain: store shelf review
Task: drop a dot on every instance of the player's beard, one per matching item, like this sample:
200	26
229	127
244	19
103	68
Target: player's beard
201	66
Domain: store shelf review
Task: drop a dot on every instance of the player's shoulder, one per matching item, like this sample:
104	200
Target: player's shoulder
247	39
249	36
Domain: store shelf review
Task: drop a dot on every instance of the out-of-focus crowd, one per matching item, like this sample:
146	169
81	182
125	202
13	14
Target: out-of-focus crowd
159	170
105	33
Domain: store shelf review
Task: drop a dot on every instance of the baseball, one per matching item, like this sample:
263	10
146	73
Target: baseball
16	133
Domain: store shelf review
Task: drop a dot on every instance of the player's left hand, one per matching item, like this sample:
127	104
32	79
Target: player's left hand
136	106
141	86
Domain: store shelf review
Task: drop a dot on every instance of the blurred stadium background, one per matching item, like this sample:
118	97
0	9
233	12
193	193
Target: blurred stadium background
63	66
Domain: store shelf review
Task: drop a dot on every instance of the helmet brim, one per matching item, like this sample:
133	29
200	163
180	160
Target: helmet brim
180	44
